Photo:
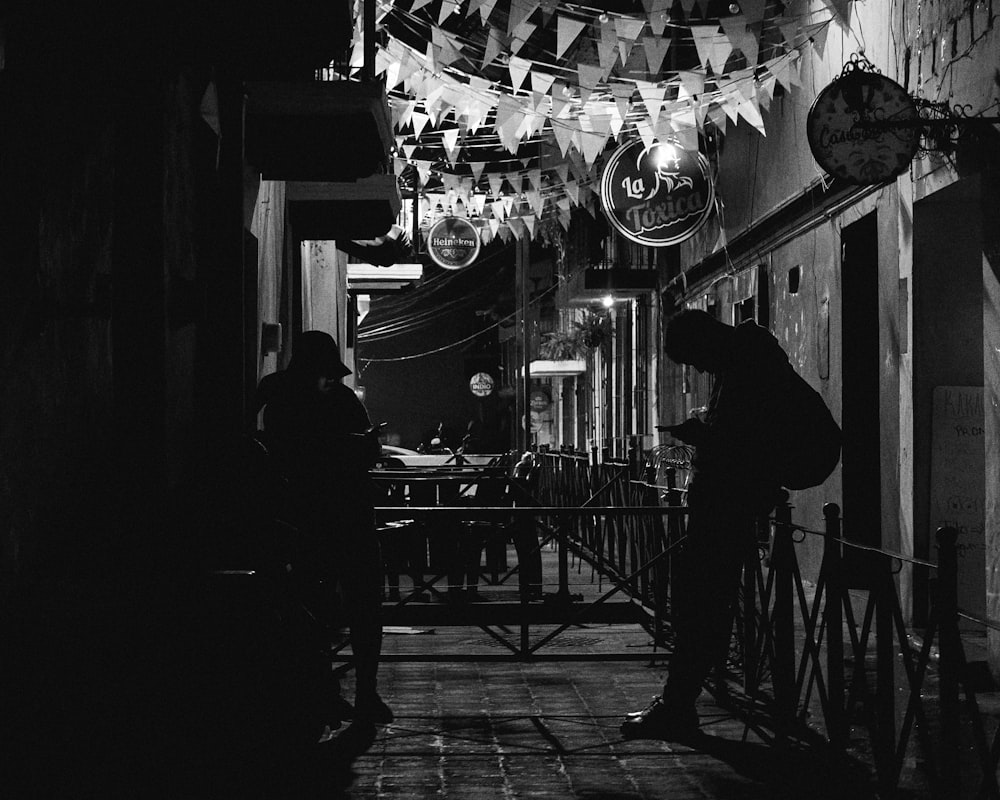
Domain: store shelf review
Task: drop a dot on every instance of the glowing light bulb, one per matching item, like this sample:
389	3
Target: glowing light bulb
607	301
603	18
665	156
734	8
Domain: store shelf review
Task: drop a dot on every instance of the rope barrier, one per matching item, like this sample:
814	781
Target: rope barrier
857	546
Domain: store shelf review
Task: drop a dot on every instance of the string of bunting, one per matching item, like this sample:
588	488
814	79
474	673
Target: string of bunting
446	110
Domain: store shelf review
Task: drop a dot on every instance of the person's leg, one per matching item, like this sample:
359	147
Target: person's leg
709	580
529	555
359	572
703	596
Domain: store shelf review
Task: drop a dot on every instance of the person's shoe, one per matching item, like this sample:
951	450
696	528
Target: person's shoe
658	721
372	708
355	739
657	700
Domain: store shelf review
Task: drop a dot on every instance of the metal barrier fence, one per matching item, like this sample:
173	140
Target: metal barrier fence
801	658
802	661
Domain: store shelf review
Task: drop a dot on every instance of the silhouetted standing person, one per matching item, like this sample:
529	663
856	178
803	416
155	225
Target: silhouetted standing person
734	480
323	442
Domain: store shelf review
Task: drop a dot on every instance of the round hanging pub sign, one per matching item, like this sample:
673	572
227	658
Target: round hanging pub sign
658	195
481	384
863	128
453	243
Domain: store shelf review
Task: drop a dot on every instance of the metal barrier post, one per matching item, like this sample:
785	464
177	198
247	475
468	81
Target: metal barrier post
833	612
885	674
783	624
750	666
950	644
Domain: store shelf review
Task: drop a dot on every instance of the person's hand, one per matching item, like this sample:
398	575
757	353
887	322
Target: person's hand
691	431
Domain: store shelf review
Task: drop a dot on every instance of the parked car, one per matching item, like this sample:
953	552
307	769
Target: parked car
394	457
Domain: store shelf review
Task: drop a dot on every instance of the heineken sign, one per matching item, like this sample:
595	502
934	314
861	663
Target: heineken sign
453	243
658	195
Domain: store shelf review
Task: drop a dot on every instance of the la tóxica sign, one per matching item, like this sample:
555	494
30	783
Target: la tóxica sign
658	195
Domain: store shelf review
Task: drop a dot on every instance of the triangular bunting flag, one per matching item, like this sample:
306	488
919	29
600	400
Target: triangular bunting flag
516	181
477	170
485	9
449	139
519	69
563	133
572	189
448	7
721	48
741	37
656	50
628	28
494	47
622	93
646	132
652	97
590	76
817	36
693	82
567	29
592	143
521	35
607	47
520	10
704	41
419	121
541	82
496	183
658	12
842	12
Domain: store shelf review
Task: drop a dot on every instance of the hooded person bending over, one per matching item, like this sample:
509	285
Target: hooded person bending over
733	481
322	440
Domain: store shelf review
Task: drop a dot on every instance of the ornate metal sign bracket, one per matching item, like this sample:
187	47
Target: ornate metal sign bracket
941	126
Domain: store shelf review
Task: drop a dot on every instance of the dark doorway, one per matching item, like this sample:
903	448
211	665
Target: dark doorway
860	382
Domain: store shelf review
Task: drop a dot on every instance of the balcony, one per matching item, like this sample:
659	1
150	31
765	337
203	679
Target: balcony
325	210
589	286
330	131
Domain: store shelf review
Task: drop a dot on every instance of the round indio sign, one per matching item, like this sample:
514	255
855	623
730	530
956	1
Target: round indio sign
481	384
453	243
658	195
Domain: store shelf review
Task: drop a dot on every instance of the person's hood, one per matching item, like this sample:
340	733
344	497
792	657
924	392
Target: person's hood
753	338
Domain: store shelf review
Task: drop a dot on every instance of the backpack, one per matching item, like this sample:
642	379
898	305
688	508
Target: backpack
808	440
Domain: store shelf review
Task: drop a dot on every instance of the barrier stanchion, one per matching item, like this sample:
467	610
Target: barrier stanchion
949	663
783	622
834	615
885	674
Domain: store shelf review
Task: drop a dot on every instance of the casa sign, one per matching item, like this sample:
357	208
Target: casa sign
658	195
862	128
453	243
481	384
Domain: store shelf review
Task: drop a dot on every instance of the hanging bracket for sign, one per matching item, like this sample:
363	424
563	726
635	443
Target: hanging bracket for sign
940	126
865	128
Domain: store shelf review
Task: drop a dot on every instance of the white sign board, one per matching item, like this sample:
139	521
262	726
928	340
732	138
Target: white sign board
958	485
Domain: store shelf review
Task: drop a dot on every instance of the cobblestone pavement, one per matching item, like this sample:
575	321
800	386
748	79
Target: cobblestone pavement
513	730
